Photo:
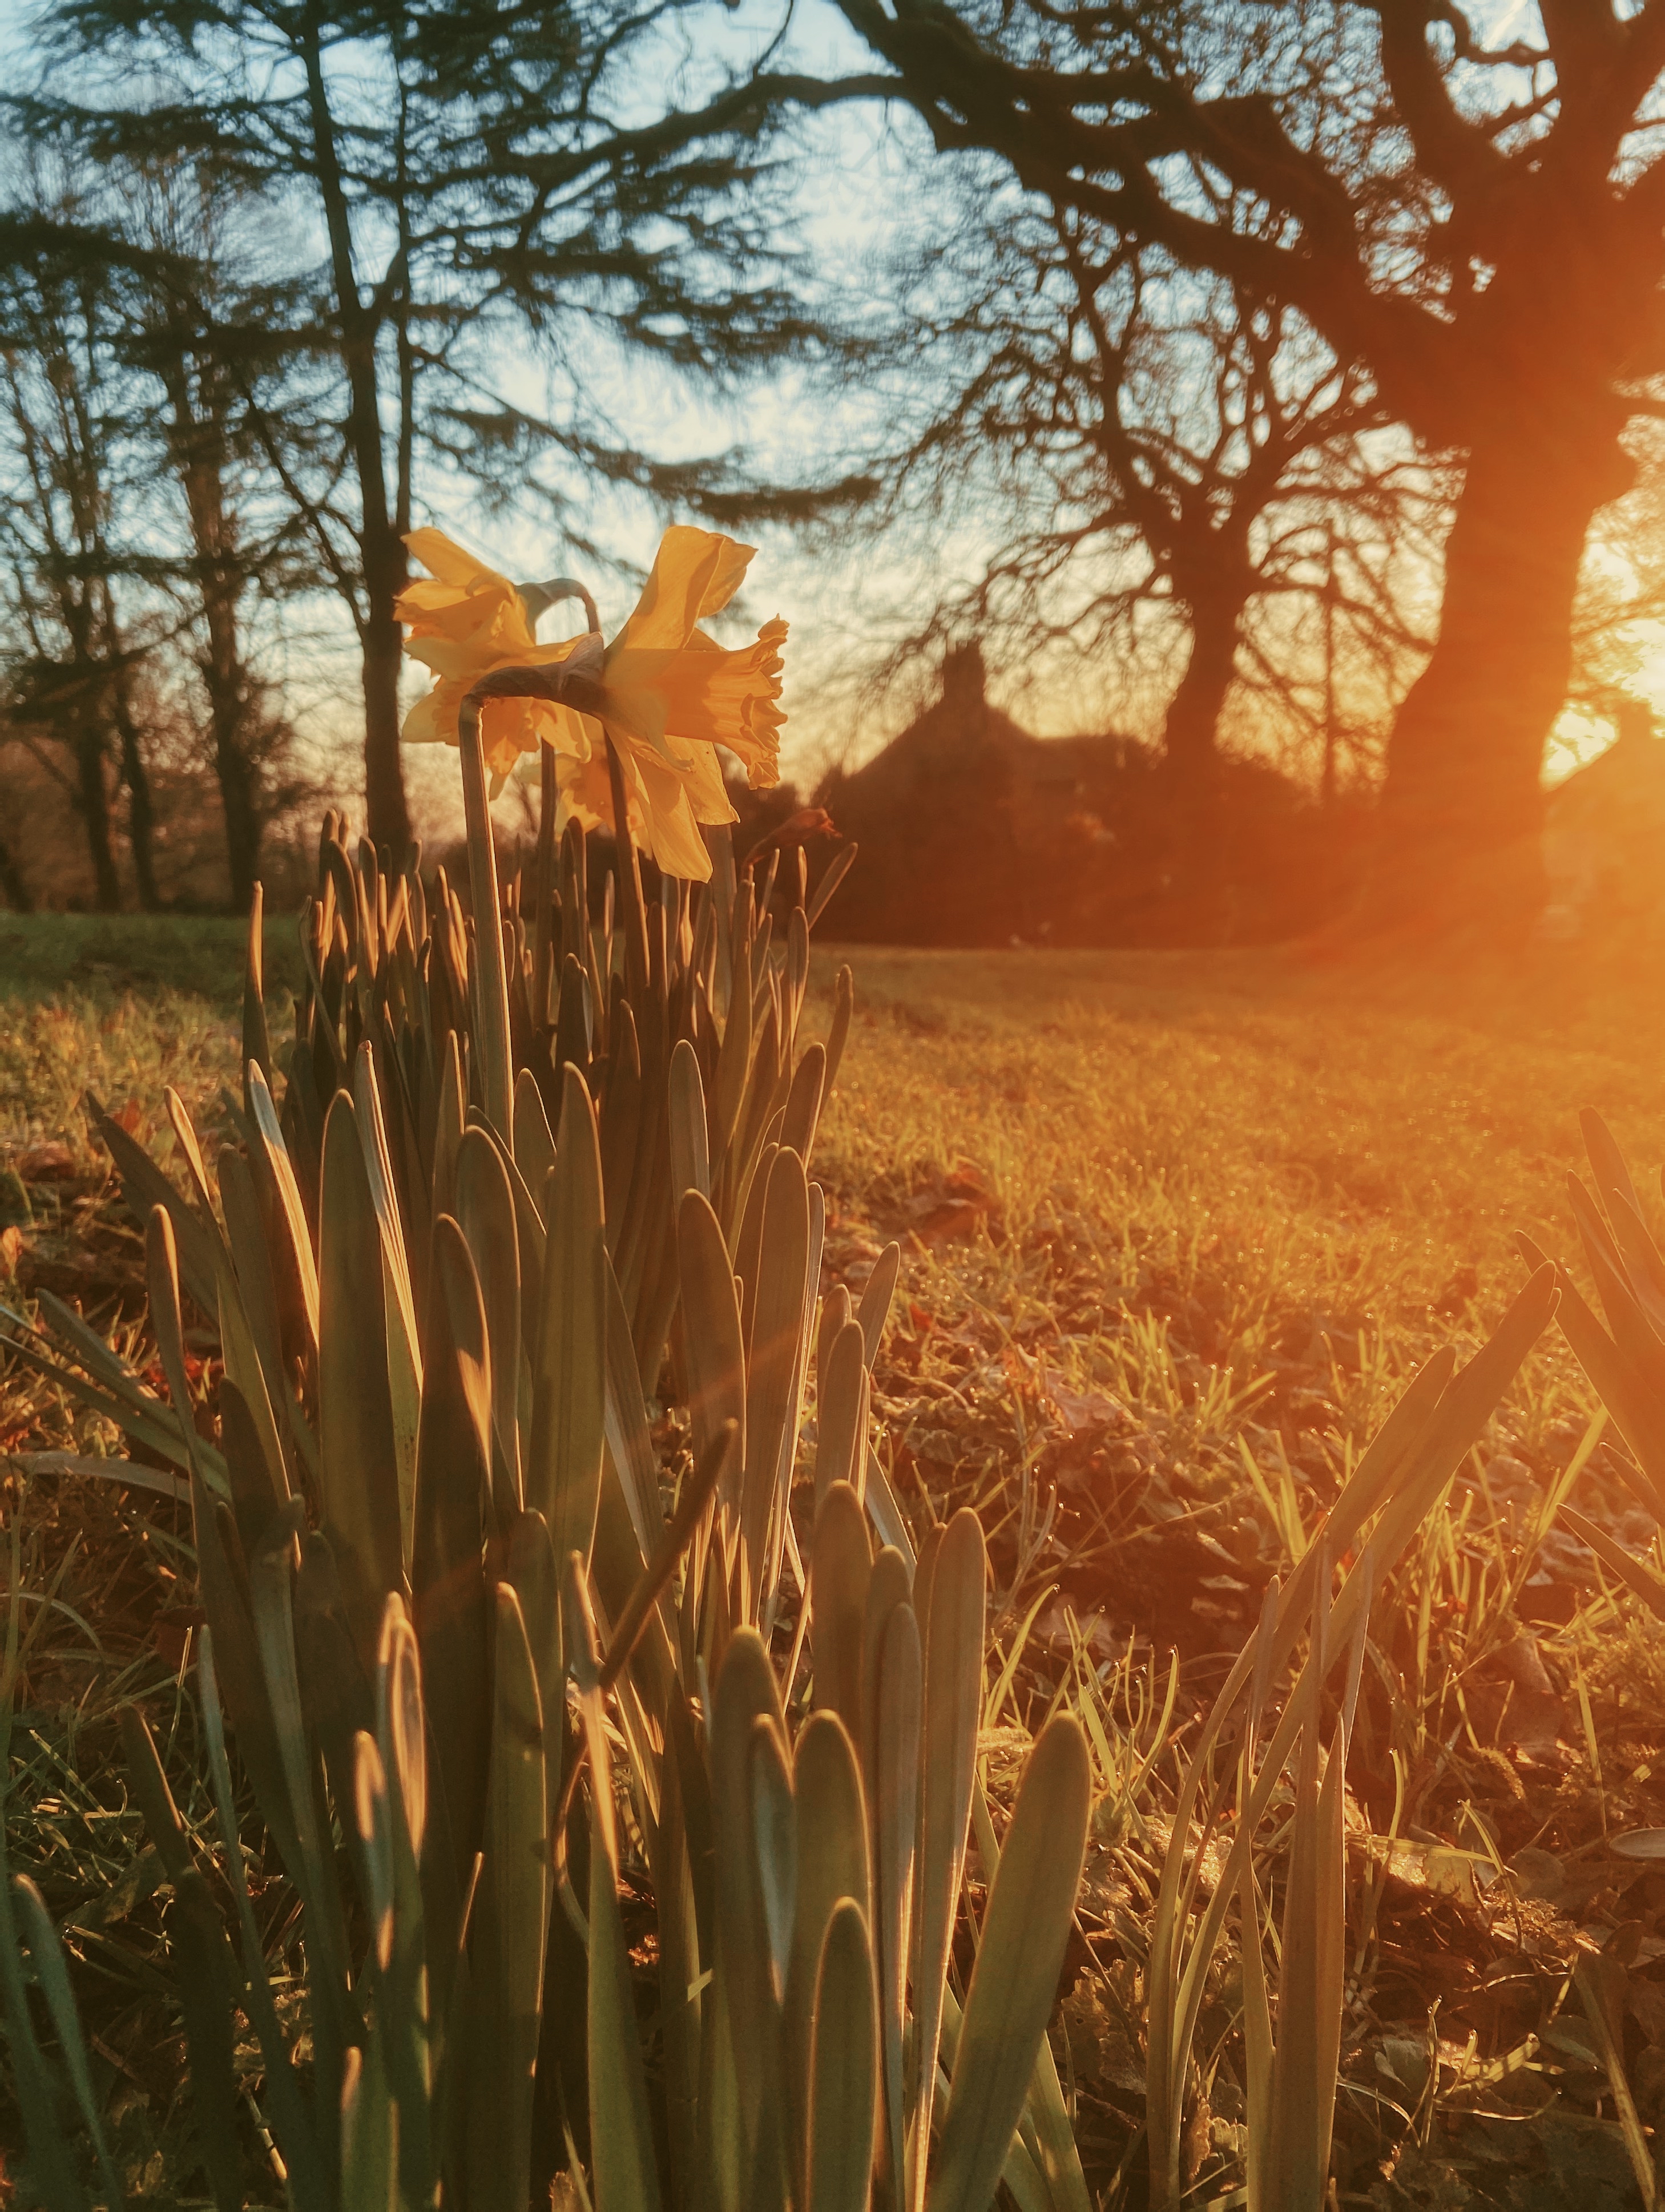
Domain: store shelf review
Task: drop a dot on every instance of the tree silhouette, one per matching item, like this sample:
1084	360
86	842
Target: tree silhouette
70	662
196	336
1480	229
462	189
1179	472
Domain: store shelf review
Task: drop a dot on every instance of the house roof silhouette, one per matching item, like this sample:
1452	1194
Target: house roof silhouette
976	832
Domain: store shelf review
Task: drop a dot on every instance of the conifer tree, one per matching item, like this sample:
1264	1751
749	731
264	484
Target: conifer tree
464	195
70	660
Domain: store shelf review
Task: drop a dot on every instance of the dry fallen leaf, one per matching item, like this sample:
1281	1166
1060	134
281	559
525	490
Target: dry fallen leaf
52	1162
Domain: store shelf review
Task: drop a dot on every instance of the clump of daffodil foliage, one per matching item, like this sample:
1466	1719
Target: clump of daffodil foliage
593	1778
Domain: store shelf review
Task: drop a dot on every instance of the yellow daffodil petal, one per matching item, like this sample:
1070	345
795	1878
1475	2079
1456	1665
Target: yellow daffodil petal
663	818
423	595
452	563
733	560
694	572
473	606
672	835
427	723
577	735
508	727
708	794
677	846
585	791
448	657
466	623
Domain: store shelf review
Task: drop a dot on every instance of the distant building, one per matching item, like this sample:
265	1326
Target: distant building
1604	834
952	815
972	831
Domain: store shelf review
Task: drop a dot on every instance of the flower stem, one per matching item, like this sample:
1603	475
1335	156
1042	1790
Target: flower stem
630	877
496	1068
544	880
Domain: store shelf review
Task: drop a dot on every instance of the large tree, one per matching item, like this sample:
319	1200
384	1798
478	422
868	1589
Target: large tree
71	658
210	373
472	193
137	483
1178	475
1479	228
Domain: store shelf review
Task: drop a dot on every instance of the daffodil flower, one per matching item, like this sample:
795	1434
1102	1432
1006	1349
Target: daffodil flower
466	622
664	693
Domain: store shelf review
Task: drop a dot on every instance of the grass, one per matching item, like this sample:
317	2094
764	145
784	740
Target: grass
121	1006
1295	1134
1191	1179
1177	1228
1183	1227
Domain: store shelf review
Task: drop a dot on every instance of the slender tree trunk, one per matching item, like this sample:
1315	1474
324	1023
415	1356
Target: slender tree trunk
19	896
141	802
1191	753
1462	807
202	458
381	550
93	801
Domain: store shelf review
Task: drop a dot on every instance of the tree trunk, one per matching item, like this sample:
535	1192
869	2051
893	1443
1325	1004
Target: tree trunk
238	796
19	896
1190	750
201	456
1462	807
93	801
231	714
383	645
382	552
140	804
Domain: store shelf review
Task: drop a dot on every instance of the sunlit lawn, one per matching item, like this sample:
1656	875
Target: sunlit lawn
1295	1132
120	1005
1251	1144
1237	1159
1175	1229
1336	1134
1277	1143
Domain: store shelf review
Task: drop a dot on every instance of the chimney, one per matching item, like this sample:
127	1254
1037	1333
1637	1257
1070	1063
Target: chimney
1634	719
963	678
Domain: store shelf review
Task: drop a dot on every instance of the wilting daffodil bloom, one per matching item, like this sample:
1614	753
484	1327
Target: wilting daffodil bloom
666	692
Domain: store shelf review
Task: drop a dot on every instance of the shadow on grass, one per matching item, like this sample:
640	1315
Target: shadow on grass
98	955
